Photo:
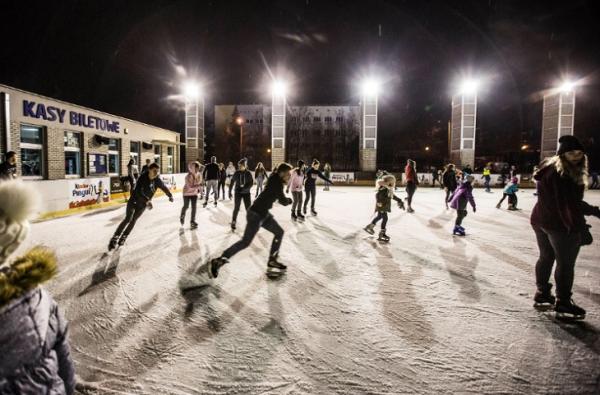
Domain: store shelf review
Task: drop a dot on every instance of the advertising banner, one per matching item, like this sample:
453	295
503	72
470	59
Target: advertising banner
85	192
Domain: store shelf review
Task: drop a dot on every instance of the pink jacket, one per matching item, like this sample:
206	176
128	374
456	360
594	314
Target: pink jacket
193	181
296	181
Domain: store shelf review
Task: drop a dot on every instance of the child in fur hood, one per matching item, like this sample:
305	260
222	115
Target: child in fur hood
35	354
384	197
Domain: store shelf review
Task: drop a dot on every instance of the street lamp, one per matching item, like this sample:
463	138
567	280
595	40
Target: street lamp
369	90
194	120
240	122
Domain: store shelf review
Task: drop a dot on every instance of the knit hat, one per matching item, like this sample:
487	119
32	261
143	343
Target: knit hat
568	143
18	203
242	161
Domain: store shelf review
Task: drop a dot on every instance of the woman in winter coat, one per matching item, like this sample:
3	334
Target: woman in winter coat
35	356
559	224
461	196
410	172
295	185
260	174
191	190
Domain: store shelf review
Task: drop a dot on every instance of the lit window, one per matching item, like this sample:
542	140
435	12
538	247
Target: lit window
72	141
32	159
170	151
113	156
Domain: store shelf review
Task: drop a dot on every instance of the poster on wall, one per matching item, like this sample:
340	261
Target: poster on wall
97	164
85	192
116	185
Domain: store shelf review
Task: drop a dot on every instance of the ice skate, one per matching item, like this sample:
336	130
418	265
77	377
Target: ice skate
233	226
304	210
369	229
193	225
122	240
112	244
182	220
499	205
300	216
568	310
383	237
275	268
214	265
458	231
543	298
410	210
313	212
294	216
204	204
215	203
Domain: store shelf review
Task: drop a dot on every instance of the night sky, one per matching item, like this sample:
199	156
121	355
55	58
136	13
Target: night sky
129	58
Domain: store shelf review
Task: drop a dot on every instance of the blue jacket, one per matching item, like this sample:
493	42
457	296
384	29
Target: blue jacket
511	189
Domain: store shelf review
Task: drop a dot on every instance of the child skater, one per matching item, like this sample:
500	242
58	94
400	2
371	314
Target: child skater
259	216
140	199
242	179
384	197
462	195
260	174
310	185
295	184
191	189
510	191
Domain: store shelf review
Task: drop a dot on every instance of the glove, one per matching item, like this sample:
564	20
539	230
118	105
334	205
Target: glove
586	236
149	205
171	199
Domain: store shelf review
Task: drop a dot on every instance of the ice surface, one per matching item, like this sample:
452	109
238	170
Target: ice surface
426	313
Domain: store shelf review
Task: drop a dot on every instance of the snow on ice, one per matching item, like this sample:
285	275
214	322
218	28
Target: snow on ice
426	313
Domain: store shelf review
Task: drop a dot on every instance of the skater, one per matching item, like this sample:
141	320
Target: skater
191	189
460	197
8	168
230	171
211	180
327	173
310	185
131	176
201	195
222	180
535	171
487	177
295	184
435	177
510	191
383	205
449	182
259	216
36	356
559	224
595	183
145	167
242	179
410	172
140	199
466	170
260	174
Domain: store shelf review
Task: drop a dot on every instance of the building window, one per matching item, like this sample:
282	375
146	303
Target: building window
328	119
134	151
157	154
339	119
306	119
170	160
72	142
113	156
316	119
32	158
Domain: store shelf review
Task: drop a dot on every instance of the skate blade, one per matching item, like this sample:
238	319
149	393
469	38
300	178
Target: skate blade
569	317
275	273
543	306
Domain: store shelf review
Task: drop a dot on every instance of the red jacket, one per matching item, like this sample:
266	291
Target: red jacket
560	206
410	174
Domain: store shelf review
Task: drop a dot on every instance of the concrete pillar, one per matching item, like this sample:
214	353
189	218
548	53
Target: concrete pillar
368	133
194	130
278	112
557	120
462	132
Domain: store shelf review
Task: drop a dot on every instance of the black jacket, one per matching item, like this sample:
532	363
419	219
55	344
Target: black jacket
222	175
449	180
145	188
273	191
7	171
311	178
243	182
211	172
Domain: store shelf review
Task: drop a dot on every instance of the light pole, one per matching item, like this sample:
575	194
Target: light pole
194	121
278	111
368	132
240	122
558	117
464	121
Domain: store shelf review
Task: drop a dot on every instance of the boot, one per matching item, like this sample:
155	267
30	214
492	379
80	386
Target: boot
568	309
300	216
182	220
369	229
112	244
543	296
232	225
294	216
383	237
193	225
499	205
122	239
313	212
214	265
275	268
458	230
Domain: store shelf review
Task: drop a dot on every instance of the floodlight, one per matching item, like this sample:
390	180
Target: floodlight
278	88
567	86
469	87
191	90
370	87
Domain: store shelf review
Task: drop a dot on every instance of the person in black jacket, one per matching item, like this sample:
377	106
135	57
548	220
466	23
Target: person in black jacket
242	179
211	179
8	169
222	179
449	182
259	216
310	185
139	200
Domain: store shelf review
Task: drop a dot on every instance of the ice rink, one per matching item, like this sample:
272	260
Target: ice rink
426	313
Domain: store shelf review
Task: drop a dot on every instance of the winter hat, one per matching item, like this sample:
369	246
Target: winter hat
243	161
18	203
568	143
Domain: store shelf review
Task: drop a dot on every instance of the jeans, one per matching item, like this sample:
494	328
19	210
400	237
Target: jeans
238	201
132	213
310	192
186	203
460	215
449	193
254	223
221	189
563	248
259	185
383	215
411	187
297	201
211	184
486	182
